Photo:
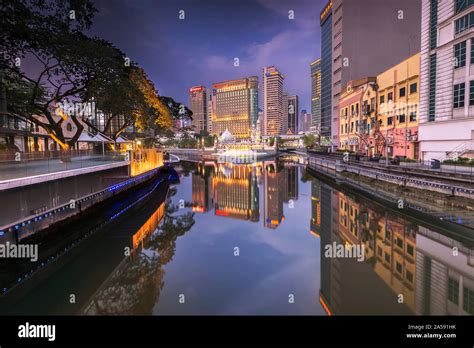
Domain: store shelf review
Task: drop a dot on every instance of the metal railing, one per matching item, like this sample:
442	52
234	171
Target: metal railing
21	165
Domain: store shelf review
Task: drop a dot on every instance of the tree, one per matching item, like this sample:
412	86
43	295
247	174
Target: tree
309	140
178	110
71	66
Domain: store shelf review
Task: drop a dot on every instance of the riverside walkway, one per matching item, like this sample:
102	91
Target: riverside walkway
21	173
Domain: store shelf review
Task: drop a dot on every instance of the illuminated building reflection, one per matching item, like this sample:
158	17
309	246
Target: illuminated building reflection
408	268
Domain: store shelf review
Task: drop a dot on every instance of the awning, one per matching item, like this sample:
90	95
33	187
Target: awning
85	137
122	140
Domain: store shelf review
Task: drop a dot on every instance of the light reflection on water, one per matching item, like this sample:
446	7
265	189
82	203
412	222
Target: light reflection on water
250	239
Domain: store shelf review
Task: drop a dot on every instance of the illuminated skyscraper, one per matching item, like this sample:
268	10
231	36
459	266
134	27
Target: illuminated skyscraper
236	106
273	108
291	112
316	93
198	105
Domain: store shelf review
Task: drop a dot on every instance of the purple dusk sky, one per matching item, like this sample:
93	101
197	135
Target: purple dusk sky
200	49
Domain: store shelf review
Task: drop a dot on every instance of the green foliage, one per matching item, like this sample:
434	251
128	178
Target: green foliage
309	141
209	140
461	161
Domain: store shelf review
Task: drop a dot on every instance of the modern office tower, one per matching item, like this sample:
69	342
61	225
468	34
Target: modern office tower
446	125
291	114
362	38
210	112
235	106
315	68
260	120
305	121
273	110
284	128
326	70
198	105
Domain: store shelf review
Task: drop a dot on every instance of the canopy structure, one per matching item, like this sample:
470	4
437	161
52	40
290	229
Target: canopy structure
87	137
104	138
122	140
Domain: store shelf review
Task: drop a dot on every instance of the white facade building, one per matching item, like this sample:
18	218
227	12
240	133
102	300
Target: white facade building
446	126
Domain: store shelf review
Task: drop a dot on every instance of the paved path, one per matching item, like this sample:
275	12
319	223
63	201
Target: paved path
17	170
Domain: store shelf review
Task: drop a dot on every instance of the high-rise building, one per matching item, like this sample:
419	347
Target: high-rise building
273	110
284	128
446	124
291	114
326	70
315	68
198	105
235	106
305	121
362	38
210	112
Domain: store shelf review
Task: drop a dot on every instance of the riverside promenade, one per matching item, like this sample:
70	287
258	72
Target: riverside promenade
59	190
441	197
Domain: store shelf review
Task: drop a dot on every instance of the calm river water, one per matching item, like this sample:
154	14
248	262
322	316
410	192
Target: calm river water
266	238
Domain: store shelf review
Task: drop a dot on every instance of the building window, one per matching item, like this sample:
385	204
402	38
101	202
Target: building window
399	267
471	93
432	89
390	96
413	88
410	276
433	23
468	301
464	23
461	5
472	51
402	118
410	249
413	116
402	92
458	95
453	290
389	121
382	99
460	55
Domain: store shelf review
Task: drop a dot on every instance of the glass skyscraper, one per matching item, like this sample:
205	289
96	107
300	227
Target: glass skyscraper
326	70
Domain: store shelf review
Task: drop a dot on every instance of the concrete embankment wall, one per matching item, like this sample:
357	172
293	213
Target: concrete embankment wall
27	226
339	167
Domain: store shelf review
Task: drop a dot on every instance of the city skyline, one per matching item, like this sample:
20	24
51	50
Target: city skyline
259	33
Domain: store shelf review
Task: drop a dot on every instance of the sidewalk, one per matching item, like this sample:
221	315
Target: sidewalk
24	169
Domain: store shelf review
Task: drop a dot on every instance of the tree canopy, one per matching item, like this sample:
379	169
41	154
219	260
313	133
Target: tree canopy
72	68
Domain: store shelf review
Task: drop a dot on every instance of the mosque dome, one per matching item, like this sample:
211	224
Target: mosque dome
226	137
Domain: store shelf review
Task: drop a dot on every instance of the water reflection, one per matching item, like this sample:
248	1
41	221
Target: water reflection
233	190
245	239
135	286
424	271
